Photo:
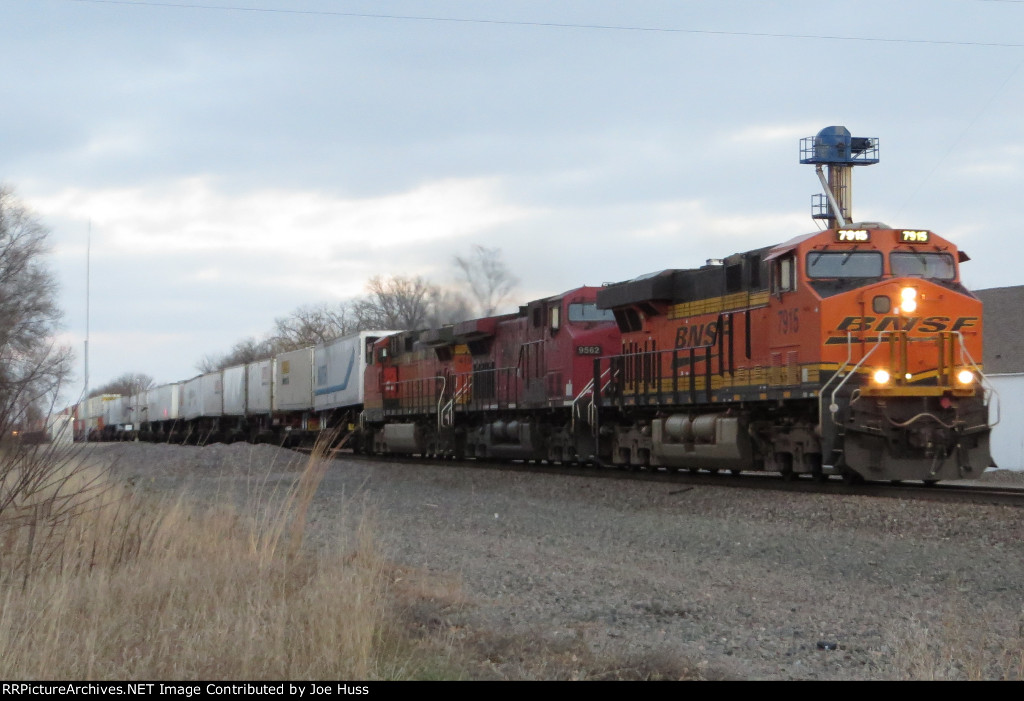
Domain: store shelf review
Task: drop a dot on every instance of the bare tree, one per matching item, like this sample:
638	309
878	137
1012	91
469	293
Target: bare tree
209	363
245	351
128	384
32	365
312	324
488	278
394	303
307	325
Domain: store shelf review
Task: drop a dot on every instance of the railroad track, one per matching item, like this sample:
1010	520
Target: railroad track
962	492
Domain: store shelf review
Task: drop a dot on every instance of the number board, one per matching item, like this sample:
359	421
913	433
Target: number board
913	236
852	235
588	350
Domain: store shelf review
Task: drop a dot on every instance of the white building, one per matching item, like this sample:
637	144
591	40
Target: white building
1004	367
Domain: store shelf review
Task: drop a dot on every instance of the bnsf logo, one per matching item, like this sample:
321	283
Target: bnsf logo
697	335
930	324
925	325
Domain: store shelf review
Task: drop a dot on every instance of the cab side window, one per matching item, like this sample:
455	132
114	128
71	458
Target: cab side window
784	279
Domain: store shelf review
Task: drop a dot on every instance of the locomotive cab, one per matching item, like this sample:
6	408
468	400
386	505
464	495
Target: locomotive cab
901	392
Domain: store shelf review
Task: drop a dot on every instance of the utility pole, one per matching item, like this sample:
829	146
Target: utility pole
88	247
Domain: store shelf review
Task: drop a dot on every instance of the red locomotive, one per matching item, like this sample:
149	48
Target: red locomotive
851	351
508	386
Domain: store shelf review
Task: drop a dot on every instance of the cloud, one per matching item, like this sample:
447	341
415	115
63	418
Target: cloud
762	133
676	222
193	215
991	169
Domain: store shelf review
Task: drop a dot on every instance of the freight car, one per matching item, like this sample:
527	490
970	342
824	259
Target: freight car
285	399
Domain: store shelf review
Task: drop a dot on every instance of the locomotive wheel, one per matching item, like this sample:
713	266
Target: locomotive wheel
817	473
786	466
851	477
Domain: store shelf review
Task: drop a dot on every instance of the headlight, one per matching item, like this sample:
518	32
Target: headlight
965	377
908	299
881	377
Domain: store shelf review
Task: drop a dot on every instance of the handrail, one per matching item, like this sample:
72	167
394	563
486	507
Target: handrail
833	407
984	381
964	355
838	373
444	384
592	409
448	413
589	389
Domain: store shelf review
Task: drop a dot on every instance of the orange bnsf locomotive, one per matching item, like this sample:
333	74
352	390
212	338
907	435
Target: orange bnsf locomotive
852	352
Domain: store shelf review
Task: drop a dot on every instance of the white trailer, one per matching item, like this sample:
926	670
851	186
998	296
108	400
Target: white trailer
340	366
234	391
96	412
60	430
163	403
137	410
192	398
212	389
115	412
259	386
293	381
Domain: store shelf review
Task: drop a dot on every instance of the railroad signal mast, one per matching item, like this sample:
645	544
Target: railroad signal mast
834	148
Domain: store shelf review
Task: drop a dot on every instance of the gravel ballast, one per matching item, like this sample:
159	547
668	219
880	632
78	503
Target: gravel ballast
725	582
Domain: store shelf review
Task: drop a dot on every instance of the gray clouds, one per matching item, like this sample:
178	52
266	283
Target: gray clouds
238	164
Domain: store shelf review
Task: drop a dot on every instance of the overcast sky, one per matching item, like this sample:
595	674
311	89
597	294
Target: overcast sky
238	158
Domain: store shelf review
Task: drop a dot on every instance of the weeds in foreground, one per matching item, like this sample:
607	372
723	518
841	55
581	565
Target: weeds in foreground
100	583
961	645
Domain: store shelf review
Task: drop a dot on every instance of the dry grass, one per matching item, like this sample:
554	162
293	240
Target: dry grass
963	644
433	612
100	583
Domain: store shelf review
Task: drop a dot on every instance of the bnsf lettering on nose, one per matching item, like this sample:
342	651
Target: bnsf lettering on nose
930	324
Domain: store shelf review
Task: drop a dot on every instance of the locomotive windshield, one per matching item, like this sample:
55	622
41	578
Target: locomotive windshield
937	266
844	264
589	312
